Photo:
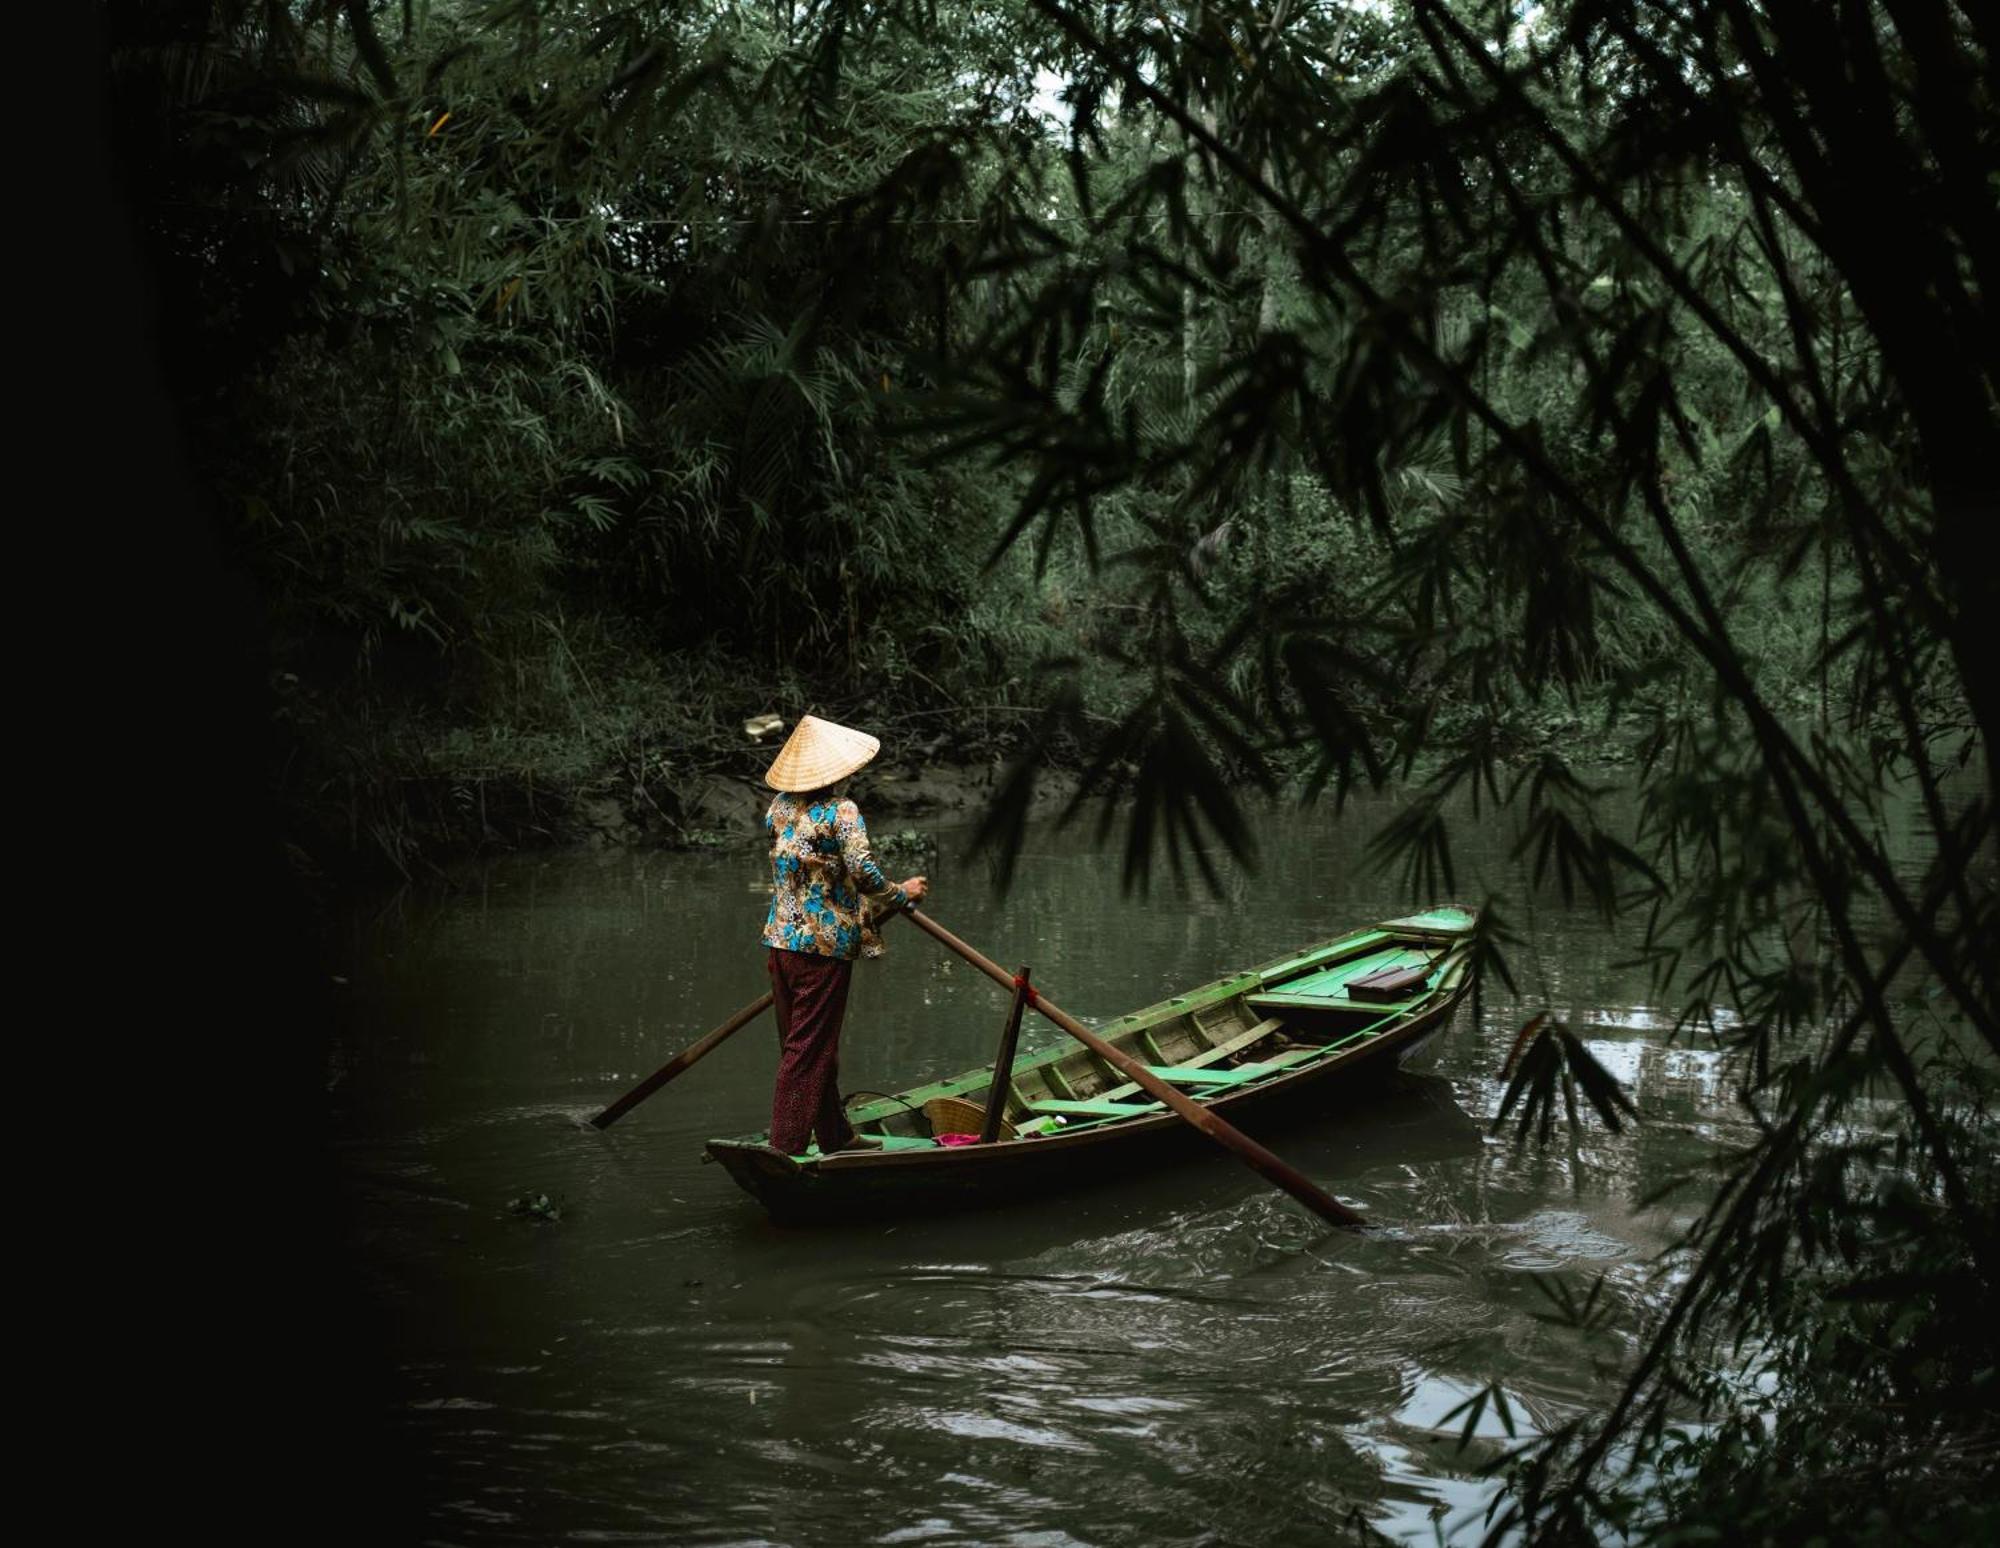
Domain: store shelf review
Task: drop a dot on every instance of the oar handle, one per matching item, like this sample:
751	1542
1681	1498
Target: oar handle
1273	1168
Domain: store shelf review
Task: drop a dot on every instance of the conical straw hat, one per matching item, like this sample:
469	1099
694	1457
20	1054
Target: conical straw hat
817	753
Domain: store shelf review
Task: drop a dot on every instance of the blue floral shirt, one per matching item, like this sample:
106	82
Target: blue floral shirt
820	868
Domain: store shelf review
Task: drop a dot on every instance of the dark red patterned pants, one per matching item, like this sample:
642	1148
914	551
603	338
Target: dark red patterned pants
811	996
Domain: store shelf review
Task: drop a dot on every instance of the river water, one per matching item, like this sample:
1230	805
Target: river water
1186	1358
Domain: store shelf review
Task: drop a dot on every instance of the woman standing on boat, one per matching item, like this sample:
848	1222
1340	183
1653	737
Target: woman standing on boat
821	868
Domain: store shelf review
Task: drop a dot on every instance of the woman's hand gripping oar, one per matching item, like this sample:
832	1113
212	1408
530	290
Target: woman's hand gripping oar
681	1062
1273	1168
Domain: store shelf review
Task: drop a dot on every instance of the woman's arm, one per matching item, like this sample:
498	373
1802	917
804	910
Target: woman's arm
861	861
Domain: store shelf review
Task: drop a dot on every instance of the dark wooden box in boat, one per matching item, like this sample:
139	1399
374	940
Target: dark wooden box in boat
1389	984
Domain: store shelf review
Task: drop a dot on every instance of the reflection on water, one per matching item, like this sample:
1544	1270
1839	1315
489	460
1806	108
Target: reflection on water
1181	1358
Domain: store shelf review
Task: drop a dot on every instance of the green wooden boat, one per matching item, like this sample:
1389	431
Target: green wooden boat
1287	1037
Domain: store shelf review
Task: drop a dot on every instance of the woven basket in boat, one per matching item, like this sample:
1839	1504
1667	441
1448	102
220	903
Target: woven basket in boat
955	1115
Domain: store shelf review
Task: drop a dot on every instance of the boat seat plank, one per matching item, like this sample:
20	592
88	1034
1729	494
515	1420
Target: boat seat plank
1321	1002
1263	1029
1293	1002
1340	946
1236	1044
1246	1074
1099	1107
1211	1057
1285	1061
1220	1051
889	1142
1182	1076
1332	982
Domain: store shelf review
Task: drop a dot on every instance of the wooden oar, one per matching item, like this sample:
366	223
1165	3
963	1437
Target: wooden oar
1273	1168
686	1059
681	1062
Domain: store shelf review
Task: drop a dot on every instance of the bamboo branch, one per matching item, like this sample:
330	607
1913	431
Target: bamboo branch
1397	331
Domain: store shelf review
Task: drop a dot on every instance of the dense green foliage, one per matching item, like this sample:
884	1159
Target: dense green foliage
1401	391
542	385
575	380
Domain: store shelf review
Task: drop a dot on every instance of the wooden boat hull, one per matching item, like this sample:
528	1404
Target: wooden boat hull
926	1177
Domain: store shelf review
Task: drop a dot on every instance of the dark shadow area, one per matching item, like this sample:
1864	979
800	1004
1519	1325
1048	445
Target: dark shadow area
252	1405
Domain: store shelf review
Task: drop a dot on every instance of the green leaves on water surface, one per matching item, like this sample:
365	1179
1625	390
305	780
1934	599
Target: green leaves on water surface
1491	935
1547	1060
1591	1312
1491	1395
